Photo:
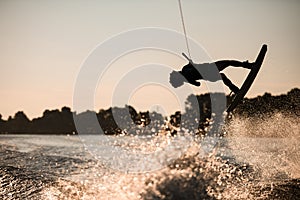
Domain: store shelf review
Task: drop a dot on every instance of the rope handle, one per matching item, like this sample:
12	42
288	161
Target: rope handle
190	60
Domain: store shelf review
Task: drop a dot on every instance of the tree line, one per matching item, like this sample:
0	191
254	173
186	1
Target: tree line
198	114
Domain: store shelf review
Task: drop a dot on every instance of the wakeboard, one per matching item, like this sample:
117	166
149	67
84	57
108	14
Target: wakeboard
249	80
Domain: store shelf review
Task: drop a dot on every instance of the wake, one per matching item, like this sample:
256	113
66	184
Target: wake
258	158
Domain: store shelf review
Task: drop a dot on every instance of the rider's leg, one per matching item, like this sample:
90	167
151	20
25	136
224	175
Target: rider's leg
222	64
229	84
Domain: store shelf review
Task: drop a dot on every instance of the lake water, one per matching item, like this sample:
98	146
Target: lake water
240	166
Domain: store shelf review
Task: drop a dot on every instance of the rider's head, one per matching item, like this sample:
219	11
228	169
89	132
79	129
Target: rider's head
176	79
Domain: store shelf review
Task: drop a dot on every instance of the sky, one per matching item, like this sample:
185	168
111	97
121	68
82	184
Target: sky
44	45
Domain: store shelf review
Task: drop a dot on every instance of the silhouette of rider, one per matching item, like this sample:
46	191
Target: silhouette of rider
192	72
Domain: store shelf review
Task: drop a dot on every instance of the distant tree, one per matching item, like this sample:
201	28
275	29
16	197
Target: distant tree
67	123
66	110
266	105
18	124
2	125
55	122
87	123
294	99
198	111
20	116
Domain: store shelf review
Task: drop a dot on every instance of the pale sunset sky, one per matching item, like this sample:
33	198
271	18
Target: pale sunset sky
44	44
